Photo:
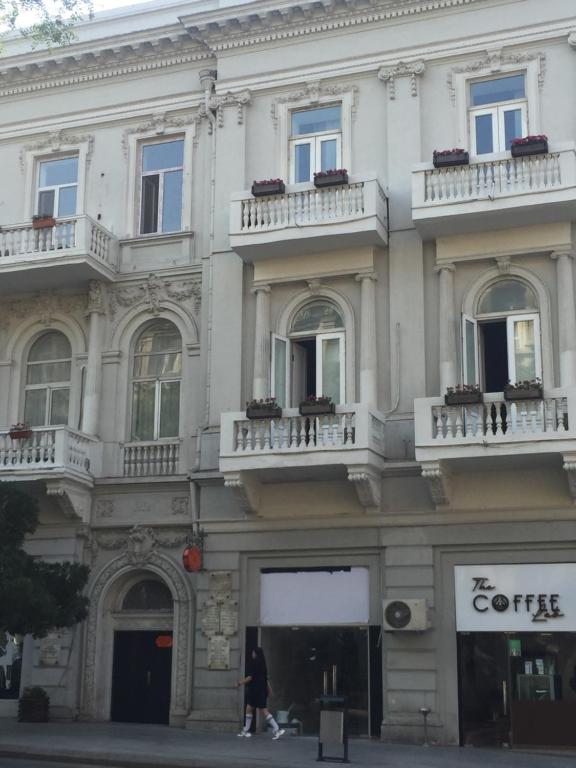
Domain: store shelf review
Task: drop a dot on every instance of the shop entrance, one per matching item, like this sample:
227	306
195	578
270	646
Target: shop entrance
517	688
142	674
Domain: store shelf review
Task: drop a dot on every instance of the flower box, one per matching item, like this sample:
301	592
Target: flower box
523	393
307	408
268	187
530	145
263	409
462	398
331	178
449	158
43	222
20	432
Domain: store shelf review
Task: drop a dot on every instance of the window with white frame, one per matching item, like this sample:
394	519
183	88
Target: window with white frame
57	187
498	111
315	141
48	372
501	343
312	360
161	186
157	371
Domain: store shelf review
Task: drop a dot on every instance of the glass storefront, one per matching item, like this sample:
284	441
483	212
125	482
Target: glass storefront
10	666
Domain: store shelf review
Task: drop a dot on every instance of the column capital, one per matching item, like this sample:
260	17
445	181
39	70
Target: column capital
361	276
448	267
96	298
260	288
562	252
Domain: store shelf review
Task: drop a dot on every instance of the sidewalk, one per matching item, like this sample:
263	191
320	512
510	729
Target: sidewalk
144	746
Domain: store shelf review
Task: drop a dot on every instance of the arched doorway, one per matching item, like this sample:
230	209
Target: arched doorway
142	656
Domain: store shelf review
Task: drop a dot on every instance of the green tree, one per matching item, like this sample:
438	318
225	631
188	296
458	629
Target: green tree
45	22
35	596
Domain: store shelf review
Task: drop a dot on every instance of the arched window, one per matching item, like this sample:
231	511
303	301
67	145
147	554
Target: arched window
311	361
156	373
48	371
502	341
148	595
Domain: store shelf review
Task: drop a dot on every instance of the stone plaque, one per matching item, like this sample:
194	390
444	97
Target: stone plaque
211	618
220	586
50	647
229	619
218	652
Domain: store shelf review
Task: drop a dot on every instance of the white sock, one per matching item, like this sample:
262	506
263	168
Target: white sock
273	723
248	723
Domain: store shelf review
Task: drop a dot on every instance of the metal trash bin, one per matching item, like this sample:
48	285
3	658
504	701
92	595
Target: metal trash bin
333	727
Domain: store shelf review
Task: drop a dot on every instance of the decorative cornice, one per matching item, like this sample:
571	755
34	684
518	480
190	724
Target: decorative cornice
402	69
312	92
155	291
117	61
268	23
159	123
492	62
56	141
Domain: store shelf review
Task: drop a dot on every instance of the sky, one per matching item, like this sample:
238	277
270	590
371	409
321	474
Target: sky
109	5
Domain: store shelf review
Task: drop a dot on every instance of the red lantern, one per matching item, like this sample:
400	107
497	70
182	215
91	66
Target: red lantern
163	641
192	558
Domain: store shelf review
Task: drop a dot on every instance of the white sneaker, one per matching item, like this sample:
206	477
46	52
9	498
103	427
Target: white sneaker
245	734
278	733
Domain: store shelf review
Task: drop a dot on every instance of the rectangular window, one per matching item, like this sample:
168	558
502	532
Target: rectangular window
315	141
498	113
57	187
161	187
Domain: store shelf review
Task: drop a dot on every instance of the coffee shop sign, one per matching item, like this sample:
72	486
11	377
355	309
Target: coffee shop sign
541	607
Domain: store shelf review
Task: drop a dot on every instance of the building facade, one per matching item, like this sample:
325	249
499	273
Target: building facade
401	550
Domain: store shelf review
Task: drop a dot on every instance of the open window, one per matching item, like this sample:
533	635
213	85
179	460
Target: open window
311	361
502	342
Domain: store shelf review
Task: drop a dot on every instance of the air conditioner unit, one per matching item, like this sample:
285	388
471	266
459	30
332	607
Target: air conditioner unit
405	615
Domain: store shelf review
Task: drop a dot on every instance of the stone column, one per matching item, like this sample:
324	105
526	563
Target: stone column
368	348
93	380
447	327
261	382
566	317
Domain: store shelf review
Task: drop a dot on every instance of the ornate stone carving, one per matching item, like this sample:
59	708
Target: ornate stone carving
159	123
154	291
493	61
103	508
503	264
55	140
183	631
96	297
437	478
219	619
44	305
73	498
368	484
311	93
402	69
179	505
245	490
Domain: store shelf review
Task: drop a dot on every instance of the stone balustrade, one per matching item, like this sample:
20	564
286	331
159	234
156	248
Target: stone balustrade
50	449
151	459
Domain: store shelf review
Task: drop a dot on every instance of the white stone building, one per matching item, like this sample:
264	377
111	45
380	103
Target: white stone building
165	296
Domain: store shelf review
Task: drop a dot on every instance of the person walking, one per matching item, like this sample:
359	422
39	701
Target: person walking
257	690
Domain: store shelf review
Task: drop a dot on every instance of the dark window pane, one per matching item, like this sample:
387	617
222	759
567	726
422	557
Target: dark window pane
48	373
143	403
316	120
169	409
499	89
148	595
35	407
46	203
149	215
169	154
484	142
55	172
512	125
59	407
172	202
50	346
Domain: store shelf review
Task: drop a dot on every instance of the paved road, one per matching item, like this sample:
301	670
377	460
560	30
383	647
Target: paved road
13	762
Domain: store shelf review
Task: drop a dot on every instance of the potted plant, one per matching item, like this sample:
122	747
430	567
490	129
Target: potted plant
529	145
34	705
316	405
445	158
268	187
334	178
463	394
531	389
267	408
43	221
20	431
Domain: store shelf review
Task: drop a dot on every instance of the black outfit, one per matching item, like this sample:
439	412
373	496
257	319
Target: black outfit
257	692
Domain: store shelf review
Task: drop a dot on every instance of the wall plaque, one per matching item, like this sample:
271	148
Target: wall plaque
218	652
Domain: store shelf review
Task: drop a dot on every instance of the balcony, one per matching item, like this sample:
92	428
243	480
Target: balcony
309	220
74	251
65	459
500	193
348	444
153	459
493	434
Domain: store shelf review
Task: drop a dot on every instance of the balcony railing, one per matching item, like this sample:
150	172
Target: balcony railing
151	459
499	191
310	218
442	429
79	235
49	449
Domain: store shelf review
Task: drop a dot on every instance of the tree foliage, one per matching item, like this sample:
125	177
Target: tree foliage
45	22
35	596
